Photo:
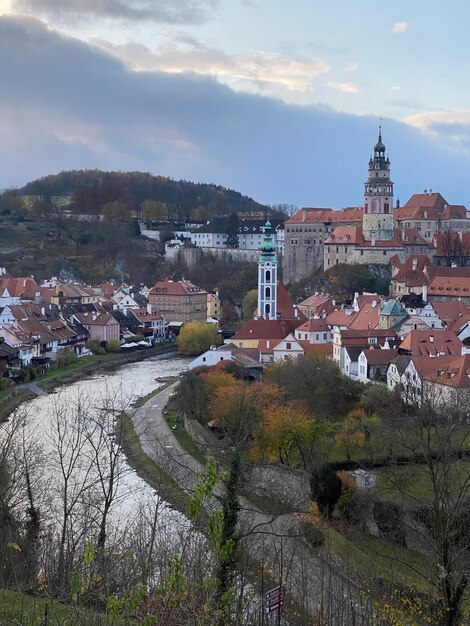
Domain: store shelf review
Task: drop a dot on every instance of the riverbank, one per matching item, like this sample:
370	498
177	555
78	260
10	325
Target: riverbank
12	397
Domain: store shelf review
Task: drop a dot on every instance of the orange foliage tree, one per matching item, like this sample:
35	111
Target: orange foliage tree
287	433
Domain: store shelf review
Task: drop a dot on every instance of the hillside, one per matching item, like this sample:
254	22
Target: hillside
89	191
45	231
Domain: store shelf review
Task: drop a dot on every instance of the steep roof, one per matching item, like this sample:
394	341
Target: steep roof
25	287
392	307
451	371
431	342
453	313
366	318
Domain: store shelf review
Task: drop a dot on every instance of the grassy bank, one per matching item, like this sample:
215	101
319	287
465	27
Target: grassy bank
182	436
147	469
21	609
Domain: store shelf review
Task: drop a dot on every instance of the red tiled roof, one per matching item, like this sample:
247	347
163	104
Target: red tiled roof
339	318
345	235
26	287
455	286
453	313
380	356
310	216
348	214
175	288
431	342
366	318
452	371
95	319
350	333
315	324
316	348
266	329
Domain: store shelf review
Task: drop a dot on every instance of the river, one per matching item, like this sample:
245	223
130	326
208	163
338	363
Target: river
112	390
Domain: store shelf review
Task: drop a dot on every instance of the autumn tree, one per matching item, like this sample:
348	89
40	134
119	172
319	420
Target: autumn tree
197	337
288	434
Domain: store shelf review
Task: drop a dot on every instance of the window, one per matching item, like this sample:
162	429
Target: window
372	340
268	292
294	242
288	346
268	275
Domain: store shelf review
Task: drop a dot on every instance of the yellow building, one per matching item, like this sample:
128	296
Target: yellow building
213	305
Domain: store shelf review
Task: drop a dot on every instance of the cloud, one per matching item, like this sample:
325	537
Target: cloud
165	11
343	87
68	105
450	128
261	72
400	27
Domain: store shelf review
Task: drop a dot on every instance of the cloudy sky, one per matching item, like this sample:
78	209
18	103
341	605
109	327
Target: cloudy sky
278	100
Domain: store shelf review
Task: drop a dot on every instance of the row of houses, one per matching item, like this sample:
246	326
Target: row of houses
37	321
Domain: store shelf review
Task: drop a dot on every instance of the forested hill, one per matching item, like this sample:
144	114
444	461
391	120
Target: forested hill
90	190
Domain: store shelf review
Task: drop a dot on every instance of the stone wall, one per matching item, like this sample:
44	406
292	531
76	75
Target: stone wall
286	485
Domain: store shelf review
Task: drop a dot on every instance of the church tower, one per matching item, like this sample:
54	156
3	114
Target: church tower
377	223
267	276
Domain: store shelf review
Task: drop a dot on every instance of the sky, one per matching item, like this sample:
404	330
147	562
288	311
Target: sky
280	101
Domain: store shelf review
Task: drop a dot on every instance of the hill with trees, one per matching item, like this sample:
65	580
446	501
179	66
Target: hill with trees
92	191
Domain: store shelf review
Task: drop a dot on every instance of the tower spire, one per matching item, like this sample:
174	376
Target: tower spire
267	276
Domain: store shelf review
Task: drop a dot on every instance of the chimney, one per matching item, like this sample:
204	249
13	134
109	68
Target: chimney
149	307
425	293
296	311
431	338
415	265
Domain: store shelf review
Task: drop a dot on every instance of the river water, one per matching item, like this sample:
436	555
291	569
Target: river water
114	389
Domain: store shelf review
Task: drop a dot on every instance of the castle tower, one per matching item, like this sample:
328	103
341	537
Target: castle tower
377	223
267	276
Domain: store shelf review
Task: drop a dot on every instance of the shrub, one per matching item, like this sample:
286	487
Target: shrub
65	357
113	345
4	383
95	346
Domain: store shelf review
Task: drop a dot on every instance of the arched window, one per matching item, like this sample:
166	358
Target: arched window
267	292
268	275
267	309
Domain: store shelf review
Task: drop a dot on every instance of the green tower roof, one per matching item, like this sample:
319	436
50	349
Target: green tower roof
268	247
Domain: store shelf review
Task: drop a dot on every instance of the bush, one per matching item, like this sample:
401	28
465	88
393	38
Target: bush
113	345
65	357
4	383
95	346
